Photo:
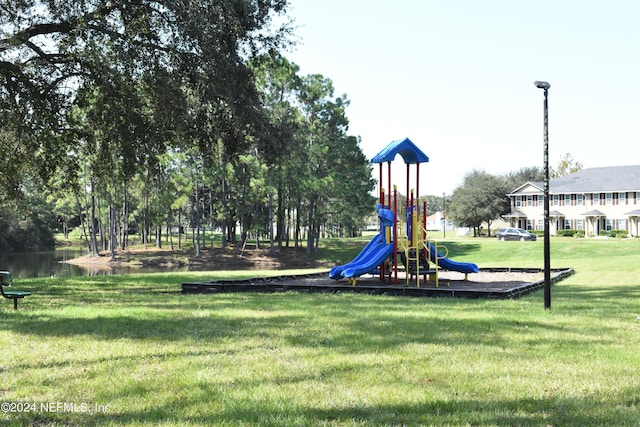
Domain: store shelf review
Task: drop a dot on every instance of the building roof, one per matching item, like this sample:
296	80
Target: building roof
598	180
610	179
406	148
594	212
515	214
530	187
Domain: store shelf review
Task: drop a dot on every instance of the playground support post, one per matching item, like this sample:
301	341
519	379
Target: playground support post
382	230
407	188
395	235
547	257
389	187
417	181
380	183
424	235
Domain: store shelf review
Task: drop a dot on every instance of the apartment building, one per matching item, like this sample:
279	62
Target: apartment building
593	200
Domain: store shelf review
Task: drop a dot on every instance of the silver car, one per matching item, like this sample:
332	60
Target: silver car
515	234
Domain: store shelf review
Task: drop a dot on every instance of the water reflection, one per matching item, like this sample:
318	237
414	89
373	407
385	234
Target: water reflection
47	264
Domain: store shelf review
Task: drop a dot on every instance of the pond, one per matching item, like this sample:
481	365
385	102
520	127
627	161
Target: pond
50	263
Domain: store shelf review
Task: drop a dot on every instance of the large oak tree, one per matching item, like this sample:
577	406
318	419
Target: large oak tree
52	50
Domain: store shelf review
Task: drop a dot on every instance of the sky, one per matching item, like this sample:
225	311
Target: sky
456	77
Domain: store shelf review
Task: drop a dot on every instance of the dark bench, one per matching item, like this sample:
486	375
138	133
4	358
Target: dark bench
7	280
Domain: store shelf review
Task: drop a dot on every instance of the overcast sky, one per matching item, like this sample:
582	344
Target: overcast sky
456	77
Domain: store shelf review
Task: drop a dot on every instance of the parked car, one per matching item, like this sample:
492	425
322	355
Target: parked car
515	234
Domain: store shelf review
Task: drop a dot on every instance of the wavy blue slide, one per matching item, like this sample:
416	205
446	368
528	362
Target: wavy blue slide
370	262
448	264
376	251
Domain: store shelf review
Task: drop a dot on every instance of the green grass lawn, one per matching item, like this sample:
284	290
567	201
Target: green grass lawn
131	350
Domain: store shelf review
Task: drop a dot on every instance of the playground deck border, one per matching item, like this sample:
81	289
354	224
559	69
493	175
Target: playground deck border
320	282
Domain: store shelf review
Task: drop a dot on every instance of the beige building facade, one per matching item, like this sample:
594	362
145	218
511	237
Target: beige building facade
595	200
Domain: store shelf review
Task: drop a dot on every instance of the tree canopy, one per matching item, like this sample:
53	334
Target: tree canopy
165	112
53	54
481	198
566	166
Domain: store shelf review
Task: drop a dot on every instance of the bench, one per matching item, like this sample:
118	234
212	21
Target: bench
7	280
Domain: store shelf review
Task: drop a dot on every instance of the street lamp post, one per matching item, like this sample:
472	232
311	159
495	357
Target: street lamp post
444	217
547	257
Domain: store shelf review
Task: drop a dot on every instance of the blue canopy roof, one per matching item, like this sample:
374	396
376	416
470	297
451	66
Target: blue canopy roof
407	149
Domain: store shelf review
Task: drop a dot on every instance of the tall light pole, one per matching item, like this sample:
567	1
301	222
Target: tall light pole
547	257
444	217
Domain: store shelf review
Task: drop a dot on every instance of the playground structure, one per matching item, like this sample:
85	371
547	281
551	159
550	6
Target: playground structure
402	235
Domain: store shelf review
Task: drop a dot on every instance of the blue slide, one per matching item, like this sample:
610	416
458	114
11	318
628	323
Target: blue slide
448	264
376	251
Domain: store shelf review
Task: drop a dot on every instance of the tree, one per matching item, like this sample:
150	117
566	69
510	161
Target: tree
280	143
526	174
566	166
481	198
325	124
350	199
437	203
316	169
27	224
115	90
249	194
49	51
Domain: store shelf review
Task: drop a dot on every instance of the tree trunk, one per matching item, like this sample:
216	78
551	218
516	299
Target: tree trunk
224	204
94	225
311	226
297	230
179	228
287	227
272	249
169	231
281	218
83	223
112	232
197	203
125	218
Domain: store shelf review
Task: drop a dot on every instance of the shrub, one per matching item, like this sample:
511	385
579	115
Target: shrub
570	233
619	233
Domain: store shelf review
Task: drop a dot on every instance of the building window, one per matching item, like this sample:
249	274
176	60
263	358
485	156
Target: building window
541	224
518	201
529	224
622	224
580	199
579	224
540	200
567	224
595	199
556	200
622	198
609	197
608	226
567	199
529	200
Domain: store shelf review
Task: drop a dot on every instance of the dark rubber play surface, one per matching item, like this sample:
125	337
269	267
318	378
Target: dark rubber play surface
488	283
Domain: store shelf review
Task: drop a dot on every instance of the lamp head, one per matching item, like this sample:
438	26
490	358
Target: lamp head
542	85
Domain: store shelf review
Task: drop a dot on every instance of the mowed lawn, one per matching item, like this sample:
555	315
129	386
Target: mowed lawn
131	350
